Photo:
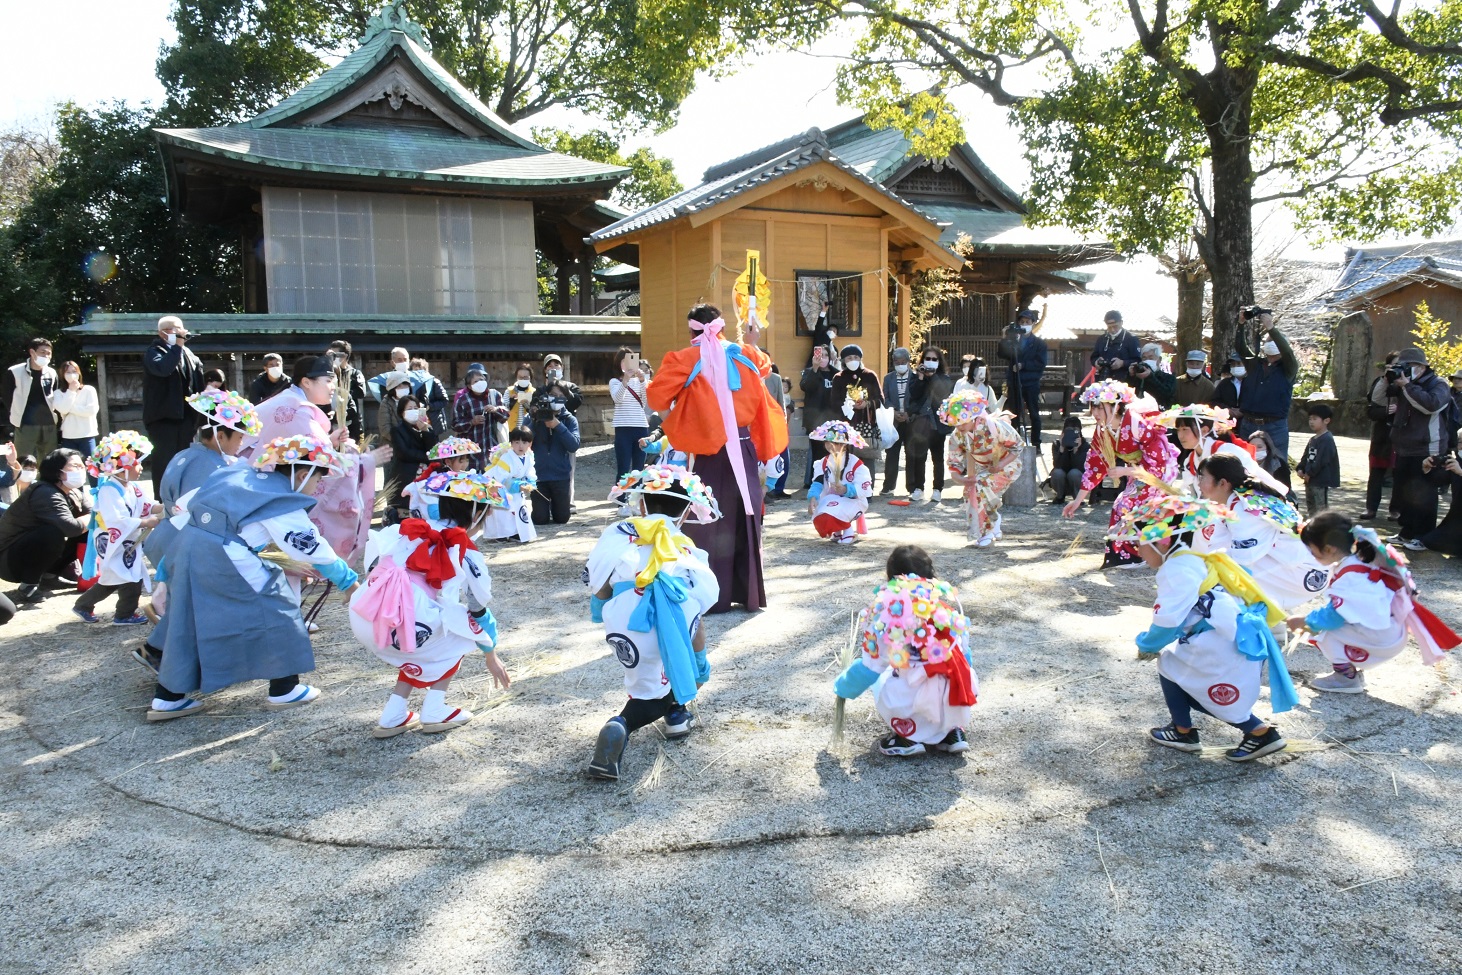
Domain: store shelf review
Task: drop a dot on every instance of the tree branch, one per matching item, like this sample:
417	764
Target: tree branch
1389	28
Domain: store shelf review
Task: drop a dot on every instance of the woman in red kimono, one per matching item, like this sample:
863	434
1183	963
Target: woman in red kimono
711	396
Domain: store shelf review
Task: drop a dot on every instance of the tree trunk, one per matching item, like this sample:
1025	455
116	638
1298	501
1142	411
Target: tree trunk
1227	243
1191	282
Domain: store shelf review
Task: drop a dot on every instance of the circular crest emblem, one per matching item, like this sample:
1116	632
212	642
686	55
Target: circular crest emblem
1356	655
624	648
1223	694
411	670
903	727
1315	580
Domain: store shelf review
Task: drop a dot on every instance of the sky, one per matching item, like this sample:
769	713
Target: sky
110	54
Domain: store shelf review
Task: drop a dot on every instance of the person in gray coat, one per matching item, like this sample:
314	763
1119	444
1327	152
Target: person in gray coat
1418	432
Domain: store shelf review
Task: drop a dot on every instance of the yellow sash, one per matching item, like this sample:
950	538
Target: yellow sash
664	542
1224	571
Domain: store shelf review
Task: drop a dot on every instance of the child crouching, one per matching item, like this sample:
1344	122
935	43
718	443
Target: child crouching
650	586
915	654
841	484
114	540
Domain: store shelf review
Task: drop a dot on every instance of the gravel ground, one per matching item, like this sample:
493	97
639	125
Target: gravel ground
244	840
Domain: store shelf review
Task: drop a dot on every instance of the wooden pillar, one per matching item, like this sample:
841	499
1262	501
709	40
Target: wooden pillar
586	281
563	271
238	373
102	395
906	284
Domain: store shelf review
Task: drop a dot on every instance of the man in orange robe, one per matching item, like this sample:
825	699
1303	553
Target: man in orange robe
711	396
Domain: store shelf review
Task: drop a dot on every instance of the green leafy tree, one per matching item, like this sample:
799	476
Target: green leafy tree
1434	339
651	177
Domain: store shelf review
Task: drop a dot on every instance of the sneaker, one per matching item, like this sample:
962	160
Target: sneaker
953	743
300	695
31	594
1170	737
609	750
679	722
136	619
935	496
1412	544
148	656
918	495
847	538
1253	747
1337	683
899	746
168	710
85	615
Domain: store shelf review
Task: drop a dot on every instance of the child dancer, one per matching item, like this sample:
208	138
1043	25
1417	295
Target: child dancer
984	456
650	586
512	464
433	585
915	655
232	616
841	484
1264	535
1207	431
1372	606
451	455
114	541
1210	627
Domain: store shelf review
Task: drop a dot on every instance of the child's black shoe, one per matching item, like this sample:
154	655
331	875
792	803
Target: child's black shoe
1170	737
899	746
679	722
1257	746
608	750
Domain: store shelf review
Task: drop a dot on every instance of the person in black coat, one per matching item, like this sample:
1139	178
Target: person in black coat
412	435
1068	459
1115	351
1023	375
269	383
39	531
171	373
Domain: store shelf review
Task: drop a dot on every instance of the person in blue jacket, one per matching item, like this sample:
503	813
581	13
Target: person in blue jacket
555	441
1024	373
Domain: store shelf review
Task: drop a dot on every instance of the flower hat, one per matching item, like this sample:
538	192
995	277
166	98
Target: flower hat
467	486
839	431
1160	516
1197	413
300	449
661	479
453	447
125	448
1277	511
227	409
1109	391
914	619
963	407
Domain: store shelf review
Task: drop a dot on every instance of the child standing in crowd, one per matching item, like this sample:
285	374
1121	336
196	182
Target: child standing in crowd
1372	606
232	616
434	587
984	457
841	484
1320	466
114	541
914	643
512	464
1210	627
650	586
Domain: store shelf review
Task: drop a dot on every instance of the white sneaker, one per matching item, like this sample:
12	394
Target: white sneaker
934	496
1337	683
1413	545
918	495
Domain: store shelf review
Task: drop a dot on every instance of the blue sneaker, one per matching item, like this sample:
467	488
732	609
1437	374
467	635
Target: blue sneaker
679	722
85	615
136	619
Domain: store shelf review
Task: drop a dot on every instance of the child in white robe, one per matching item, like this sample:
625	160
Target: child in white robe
841	484
451	456
914	643
650	587
433	585
512	464
1210	627
114	542
1372	610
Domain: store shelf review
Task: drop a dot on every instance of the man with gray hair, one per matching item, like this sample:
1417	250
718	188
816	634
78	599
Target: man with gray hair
171	373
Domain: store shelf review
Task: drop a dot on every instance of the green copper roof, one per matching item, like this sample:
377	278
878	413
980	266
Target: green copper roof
391	153
996	232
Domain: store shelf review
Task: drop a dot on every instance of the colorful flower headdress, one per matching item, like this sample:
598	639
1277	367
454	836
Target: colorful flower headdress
661	479
227	409
839	431
1197	413
467	486
300	449
963	407
914	619
1160	516
1109	391
125	448
1277	511
453	447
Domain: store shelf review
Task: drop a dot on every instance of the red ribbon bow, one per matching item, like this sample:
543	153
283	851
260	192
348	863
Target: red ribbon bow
434	559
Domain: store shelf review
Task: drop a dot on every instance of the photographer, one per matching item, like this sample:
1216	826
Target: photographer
1381	404
1147	377
1115	351
1023	375
1267	393
555	441
1420	436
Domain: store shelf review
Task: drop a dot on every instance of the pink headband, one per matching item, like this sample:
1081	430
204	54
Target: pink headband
717	325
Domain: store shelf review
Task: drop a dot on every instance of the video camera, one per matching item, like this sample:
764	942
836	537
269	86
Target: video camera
543	412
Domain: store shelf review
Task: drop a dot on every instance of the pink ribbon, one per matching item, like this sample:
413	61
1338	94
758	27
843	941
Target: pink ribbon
389	604
713	370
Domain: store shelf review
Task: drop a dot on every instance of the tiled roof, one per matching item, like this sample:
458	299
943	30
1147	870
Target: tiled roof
806	150
210	324
391	153
1371	272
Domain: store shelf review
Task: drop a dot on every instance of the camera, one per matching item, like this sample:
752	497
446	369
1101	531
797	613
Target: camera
1392	374
1253	312
544	412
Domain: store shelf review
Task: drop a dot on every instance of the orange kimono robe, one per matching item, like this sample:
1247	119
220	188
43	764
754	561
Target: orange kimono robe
692	417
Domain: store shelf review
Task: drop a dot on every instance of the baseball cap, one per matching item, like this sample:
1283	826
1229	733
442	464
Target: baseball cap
1027	313
476	367
1197	355
552	357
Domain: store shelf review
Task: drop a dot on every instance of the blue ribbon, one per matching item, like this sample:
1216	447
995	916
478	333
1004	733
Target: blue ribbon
660	610
733	375
1256	641
855	680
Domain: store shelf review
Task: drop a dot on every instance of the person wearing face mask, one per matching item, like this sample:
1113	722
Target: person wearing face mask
927	433
232	615
172	373
902	388
477	410
631	420
858	394
396	386
39	531
411	437
519	396
1147	378
77	405
379	387
1269	380
433	395
1193	387
1115	351
1420	435
1024	373
553	374
824	334
817	405
1230	387
26	390
269	383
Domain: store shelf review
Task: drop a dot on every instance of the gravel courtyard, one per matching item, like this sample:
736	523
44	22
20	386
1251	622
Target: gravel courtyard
244	840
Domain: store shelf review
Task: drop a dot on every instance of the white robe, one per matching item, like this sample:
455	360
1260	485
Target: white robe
516	520
1204	660
120	508
833	502
915	704
1372	633
1276	558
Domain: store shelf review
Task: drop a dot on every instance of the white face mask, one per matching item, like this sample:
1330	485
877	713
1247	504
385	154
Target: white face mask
401	392
1151	364
479	387
522	384
275	372
1194	373
1239	372
73	377
27	475
172	338
42	361
75	479
1416	371
1025	327
400	366
931	363
1260	453
411	416
901	370
852	365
